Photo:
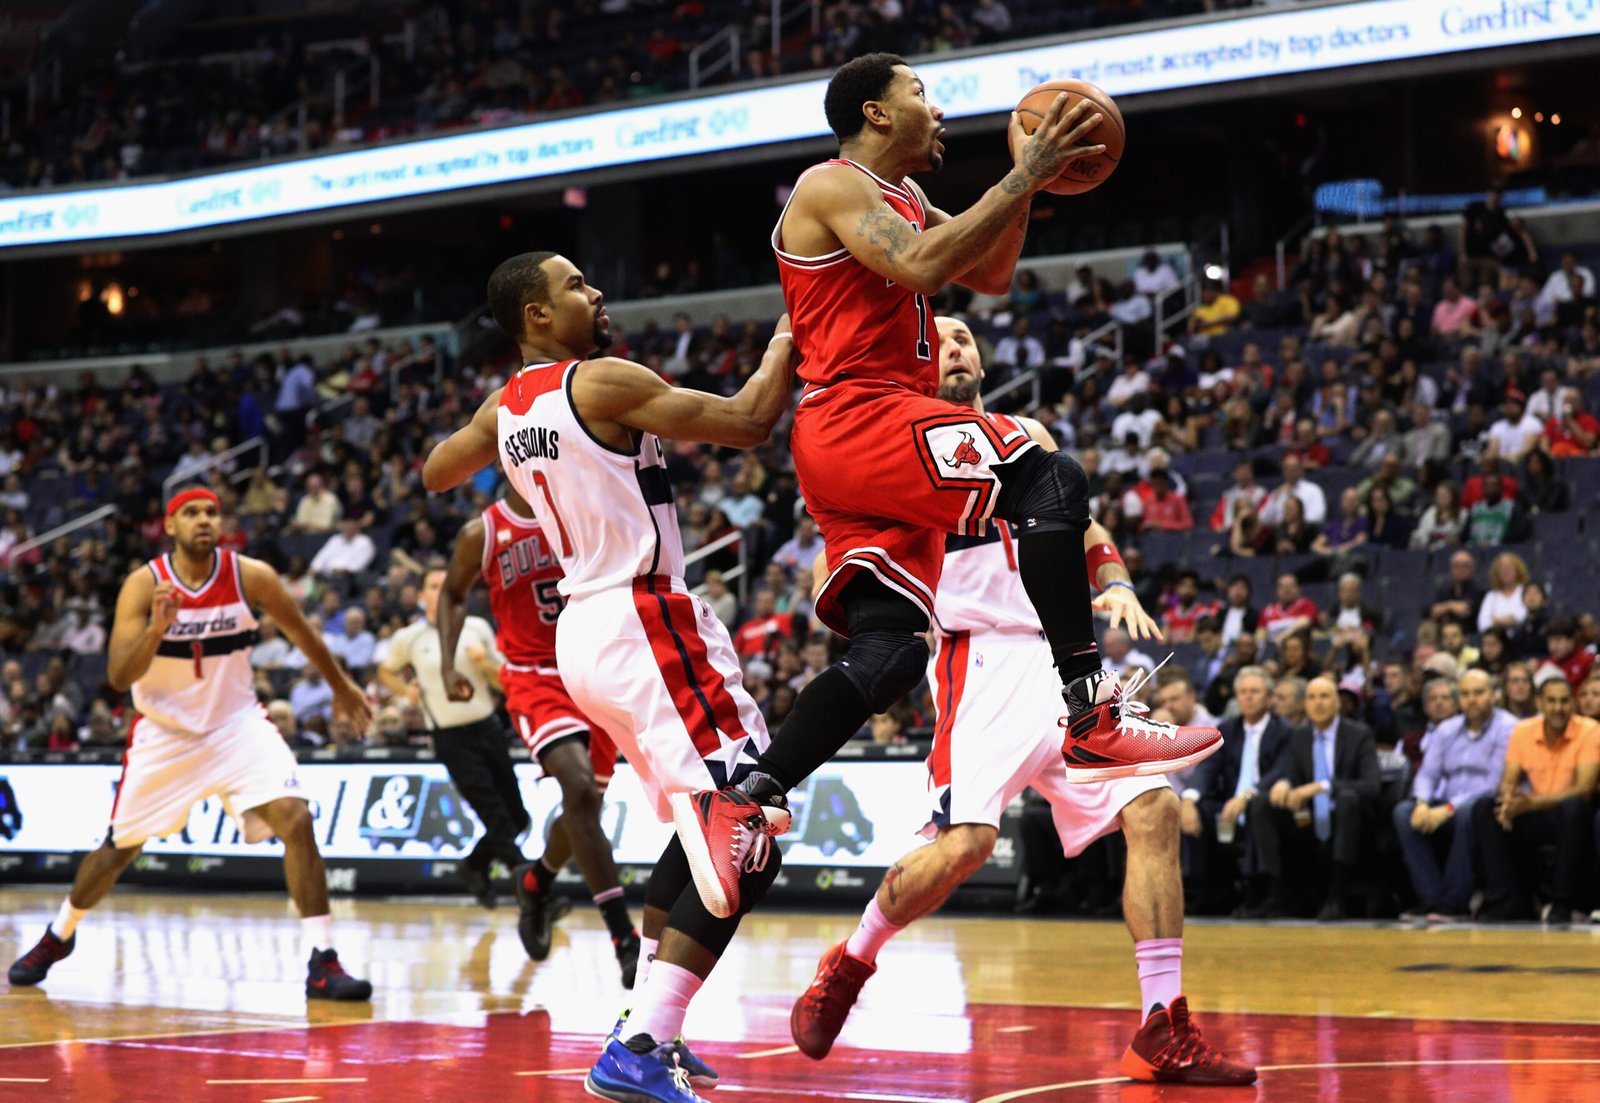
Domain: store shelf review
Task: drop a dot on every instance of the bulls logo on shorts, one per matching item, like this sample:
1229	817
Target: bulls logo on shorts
965	454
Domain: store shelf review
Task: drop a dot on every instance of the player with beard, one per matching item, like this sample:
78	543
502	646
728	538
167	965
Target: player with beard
185	624
992	692
887	468
642	657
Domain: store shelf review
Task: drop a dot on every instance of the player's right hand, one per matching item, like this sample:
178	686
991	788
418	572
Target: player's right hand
1042	156
457	686
164	605
352	705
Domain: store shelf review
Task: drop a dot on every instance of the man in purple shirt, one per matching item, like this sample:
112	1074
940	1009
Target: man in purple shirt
1462	761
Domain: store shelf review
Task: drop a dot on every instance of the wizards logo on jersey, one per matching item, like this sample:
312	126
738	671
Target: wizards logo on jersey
965	455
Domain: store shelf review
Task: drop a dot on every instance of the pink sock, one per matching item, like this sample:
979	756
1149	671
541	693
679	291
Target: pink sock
873	934
1160	971
663	1003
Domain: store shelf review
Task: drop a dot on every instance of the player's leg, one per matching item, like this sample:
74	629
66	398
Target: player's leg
96	874
580	833
475	757
289	818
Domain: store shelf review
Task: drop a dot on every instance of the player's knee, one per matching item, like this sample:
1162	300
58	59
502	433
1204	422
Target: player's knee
885	664
966	847
1152	818
1045	490
579	798
291	821
753	886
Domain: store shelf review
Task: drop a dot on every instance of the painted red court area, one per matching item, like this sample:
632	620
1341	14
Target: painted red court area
994	1053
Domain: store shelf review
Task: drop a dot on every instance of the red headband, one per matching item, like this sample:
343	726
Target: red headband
193	494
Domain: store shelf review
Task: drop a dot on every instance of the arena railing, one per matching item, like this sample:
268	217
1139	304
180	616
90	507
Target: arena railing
93	517
741	572
217	460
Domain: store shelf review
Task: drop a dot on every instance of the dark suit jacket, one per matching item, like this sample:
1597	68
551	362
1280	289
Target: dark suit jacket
1218	776
1355	760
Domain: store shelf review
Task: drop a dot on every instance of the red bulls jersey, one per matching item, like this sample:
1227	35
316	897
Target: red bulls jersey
522	572
850	322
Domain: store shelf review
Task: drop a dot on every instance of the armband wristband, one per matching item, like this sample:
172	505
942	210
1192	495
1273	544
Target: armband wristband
1118	582
1098	556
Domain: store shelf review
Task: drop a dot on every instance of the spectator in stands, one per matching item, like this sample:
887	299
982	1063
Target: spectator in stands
721	599
347	552
1515	434
1244	489
1247	536
297	397
1154	276
1133	381
1571	432
1132	308
1455	316
281	713
1020	349
319	508
1027	295
1349	613
1496	520
1503	604
1295	658
1180	618
1486	240
1453	642
1557	754
1292	612
800	550
1157	505
1384	440
1442	523
1237	616
353	643
1307	448
1137	419
1589	697
260	494
274	652
1295	485
1493	470
1549	400
1517	695
1463	760
1348	532
766	629
1574	662
1544	491
1217	311
1293	535
311	697
1494	653
1120	656
1207	664
1569	287
1336	325
1289	701
1331	769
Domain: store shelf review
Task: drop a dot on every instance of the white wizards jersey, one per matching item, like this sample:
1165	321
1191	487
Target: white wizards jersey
607	512
200	678
980	589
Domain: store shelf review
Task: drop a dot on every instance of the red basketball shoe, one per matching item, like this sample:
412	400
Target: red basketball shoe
819	1015
724	834
1109	735
1169	1050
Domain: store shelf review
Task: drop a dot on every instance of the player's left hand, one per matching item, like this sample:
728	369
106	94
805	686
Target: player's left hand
352	705
1126	613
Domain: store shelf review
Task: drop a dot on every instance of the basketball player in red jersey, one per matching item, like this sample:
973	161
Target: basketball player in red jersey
859	249
991	684
185	624
506	548
645	659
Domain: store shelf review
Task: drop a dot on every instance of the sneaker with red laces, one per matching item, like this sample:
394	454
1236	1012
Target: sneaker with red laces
31	967
1169	1050
819	1015
725	834
327	980
1109	735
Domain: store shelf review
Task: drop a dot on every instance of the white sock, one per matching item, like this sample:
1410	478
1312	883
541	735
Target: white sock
662	1003
319	932
67	919
873	934
1160	971
647	958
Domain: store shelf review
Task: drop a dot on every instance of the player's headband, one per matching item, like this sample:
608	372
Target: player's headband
193	494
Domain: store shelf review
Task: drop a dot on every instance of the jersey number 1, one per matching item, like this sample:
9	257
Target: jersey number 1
544	487
924	350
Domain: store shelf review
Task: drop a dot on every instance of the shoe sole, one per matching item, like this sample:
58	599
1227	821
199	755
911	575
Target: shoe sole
1136	1068
704	871
617	1095
318	994
1087	775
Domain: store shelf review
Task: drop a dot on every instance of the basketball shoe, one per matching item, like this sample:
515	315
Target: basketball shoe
627	949
538	911
32	967
327	980
1109	734
727	833
702	1077
644	1073
1169	1050
819	1014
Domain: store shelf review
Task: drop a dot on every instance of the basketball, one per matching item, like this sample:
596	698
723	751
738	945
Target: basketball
1081	173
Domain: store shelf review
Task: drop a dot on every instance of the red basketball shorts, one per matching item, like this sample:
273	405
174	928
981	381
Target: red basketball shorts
542	712
886	472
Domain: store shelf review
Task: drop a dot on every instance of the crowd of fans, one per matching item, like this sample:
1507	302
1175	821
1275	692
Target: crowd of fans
459	64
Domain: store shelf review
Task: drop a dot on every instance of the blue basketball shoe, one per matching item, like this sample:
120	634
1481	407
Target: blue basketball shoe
654	1076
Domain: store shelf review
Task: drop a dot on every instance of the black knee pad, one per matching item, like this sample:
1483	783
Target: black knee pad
753	886
1043	491
669	878
884	664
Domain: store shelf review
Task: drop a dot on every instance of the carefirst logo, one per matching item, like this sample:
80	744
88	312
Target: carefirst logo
27	222
1507	15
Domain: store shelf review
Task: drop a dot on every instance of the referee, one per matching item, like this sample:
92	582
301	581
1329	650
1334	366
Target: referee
466	736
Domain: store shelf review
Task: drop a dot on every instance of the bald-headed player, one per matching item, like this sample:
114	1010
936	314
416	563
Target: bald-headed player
995	697
185	624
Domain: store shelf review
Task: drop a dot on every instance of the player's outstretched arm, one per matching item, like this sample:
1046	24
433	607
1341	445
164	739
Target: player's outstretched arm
621	392
145	610
465	562
264	590
466	451
996	268
851	206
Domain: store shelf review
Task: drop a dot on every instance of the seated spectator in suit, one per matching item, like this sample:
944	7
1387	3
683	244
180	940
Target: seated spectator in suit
1557	755
1179	704
1463	760
1237	616
1318	800
1220	790
1289	701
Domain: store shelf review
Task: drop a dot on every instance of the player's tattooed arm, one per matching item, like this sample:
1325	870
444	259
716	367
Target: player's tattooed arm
883	227
1015	184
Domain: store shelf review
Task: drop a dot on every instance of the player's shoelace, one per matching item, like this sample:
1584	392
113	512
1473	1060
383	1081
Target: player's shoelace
1190	1048
1132	716
41	954
680	1076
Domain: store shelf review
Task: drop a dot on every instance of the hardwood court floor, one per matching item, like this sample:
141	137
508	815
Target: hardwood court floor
199	997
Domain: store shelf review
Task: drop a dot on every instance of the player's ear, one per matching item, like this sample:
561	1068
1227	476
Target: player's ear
877	112
534	312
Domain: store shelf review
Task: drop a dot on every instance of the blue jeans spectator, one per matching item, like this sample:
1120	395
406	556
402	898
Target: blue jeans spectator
1446	888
